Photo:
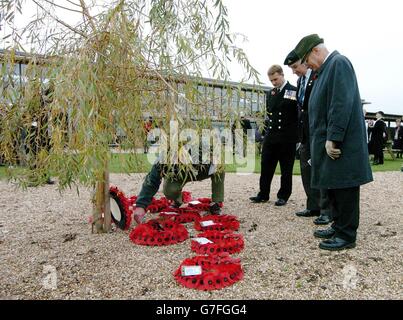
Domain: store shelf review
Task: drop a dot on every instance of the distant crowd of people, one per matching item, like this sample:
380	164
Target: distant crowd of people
378	135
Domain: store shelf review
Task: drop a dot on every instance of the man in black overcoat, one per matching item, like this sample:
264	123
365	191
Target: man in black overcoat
339	151
378	138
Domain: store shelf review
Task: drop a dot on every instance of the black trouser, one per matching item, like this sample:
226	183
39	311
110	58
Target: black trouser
283	153
324	203
378	156
313	196
345	204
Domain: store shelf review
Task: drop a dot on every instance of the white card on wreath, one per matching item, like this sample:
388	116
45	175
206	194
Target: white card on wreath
202	240
194	202
207	223
171	213
191	271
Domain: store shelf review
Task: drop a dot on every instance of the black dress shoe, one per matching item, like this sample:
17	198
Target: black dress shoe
325	234
280	202
258	199
215	208
322	220
335	244
308	213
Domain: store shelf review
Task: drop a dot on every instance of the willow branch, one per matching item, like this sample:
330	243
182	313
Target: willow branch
75	4
62	7
87	15
61	22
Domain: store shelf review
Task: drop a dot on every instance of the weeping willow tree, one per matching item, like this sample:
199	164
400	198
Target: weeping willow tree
90	79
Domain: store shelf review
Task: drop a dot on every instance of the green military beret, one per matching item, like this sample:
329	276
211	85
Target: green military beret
291	58
307	44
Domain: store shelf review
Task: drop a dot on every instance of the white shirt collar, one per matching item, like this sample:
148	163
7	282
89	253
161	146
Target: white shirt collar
284	84
327	57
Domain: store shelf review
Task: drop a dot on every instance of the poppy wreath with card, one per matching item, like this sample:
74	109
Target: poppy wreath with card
217	242
217	223
203	205
158	205
163	204
212	272
181	215
121	208
200	206
159	232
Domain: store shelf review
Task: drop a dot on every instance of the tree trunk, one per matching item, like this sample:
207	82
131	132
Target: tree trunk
98	203
107	203
101	205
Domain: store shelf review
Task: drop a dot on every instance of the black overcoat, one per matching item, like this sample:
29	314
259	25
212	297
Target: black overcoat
335	114
378	136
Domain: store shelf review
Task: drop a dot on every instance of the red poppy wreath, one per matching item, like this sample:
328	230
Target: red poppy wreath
209	272
218	223
181	215
159	232
158	204
121	208
217	242
202	204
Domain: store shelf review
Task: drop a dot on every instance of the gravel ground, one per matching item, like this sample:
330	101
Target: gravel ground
47	250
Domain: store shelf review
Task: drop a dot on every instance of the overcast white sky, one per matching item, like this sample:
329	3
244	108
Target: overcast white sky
369	33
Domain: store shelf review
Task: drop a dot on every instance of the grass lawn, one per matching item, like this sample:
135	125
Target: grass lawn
127	163
142	162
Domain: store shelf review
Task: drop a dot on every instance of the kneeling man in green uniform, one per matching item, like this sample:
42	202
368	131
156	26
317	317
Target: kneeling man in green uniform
174	183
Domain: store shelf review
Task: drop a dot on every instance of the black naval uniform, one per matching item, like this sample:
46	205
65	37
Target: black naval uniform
280	140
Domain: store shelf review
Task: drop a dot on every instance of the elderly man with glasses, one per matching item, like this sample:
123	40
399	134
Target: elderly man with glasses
340	161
